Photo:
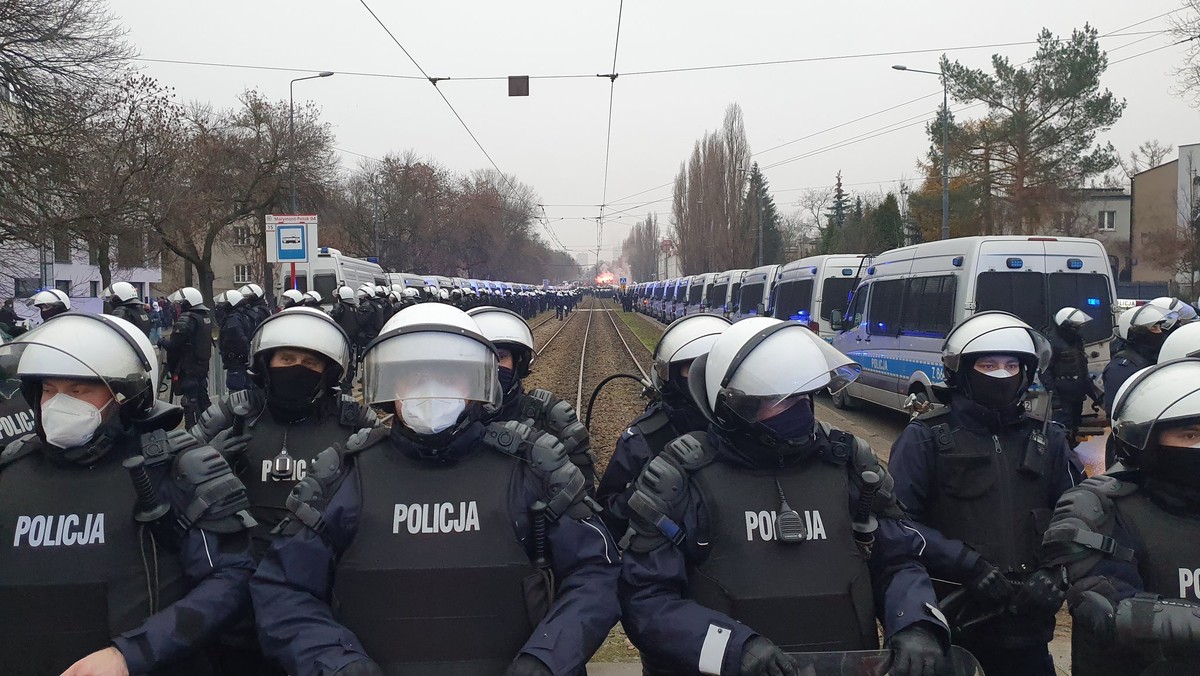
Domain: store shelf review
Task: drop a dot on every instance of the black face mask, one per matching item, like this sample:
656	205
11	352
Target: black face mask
508	378
794	423
293	388
996	394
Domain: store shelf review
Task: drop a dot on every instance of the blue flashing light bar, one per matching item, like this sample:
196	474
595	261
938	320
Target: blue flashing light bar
1014	263
1074	264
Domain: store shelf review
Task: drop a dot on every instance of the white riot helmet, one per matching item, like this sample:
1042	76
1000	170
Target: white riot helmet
251	291
684	340
1185	312
1157	397
433	360
51	298
1145	319
761	362
507	330
302	328
312	299
1183	342
443	295
188	297
292	298
120	292
365	290
412	293
346	295
1071	317
233	298
88	347
994	332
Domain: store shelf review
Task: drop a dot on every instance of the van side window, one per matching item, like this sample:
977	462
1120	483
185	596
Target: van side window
1021	293
858	303
1089	293
883	314
835	294
928	306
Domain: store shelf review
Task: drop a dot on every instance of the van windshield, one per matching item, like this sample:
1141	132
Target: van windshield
835	294
696	292
326	285
1035	297
794	299
752	295
716	295
301	283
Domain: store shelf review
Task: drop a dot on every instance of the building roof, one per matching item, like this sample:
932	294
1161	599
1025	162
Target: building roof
1164	164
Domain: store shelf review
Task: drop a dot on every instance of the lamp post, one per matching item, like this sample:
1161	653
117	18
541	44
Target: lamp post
945	146
292	131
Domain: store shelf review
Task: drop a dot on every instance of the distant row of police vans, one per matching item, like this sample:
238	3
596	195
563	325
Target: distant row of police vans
332	269
891	312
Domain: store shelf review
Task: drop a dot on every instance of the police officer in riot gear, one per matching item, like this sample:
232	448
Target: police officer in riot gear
540	409
290	298
768	534
345	313
980	478
1067	376
256	302
233	338
122	301
189	349
1130	541
368	316
312	299
451	547
1185	312
51	302
1142	331
127	547
670	414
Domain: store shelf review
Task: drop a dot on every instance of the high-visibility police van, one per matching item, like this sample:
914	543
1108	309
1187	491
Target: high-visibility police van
697	301
725	289
810	289
676	306
754	299
911	297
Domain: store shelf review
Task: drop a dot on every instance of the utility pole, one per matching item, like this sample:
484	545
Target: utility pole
945	144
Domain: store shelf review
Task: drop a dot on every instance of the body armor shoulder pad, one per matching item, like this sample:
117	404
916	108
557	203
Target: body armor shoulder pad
862	464
366	438
1080	532
656	504
938	423
160	447
354	415
216	499
689	451
309	496
654	422
564	483
535	403
19	448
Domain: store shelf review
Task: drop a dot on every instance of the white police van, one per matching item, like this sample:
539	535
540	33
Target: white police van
725	289
810	289
701	285
330	270
754	299
911	297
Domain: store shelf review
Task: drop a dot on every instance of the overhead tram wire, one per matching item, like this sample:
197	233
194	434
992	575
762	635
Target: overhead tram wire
612	89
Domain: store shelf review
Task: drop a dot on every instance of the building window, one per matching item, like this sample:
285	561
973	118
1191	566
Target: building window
241	274
93	289
242	236
25	287
63	285
1108	221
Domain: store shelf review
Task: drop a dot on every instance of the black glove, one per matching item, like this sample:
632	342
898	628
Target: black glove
527	665
916	651
988	583
360	668
1042	592
760	657
228	445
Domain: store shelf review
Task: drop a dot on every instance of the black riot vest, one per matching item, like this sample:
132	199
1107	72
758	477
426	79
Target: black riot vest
71	558
305	439
135	314
983	498
1168	560
810	596
433	583
198	350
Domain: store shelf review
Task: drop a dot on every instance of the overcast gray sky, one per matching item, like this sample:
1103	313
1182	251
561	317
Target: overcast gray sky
554	140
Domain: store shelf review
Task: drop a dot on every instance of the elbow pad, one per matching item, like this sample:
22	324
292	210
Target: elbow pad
216	499
1166	621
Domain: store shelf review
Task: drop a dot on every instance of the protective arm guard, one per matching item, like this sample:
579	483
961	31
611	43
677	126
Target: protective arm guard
216	500
660	495
882	492
1142	619
224	413
559	418
1080	532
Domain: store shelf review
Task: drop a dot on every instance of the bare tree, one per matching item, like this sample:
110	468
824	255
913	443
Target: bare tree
1185	27
1147	156
641	248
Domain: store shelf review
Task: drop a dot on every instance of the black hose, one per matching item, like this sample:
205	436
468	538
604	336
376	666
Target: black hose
596	393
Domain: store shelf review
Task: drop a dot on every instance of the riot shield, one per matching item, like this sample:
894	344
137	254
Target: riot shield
876	663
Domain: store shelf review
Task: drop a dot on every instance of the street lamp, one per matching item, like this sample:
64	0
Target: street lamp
292	129
945	146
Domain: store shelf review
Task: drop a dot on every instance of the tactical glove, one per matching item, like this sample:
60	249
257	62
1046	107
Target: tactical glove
360	668
527	665
1042	592
988	583
228	445
760	657
916	651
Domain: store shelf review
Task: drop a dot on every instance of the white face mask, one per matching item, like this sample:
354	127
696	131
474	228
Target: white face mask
999	373
69	422
430	416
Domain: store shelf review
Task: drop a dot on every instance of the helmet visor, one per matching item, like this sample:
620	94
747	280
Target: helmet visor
32	361
1001	340
430	365
1157	398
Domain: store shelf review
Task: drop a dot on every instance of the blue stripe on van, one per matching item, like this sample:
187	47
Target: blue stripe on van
897	367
